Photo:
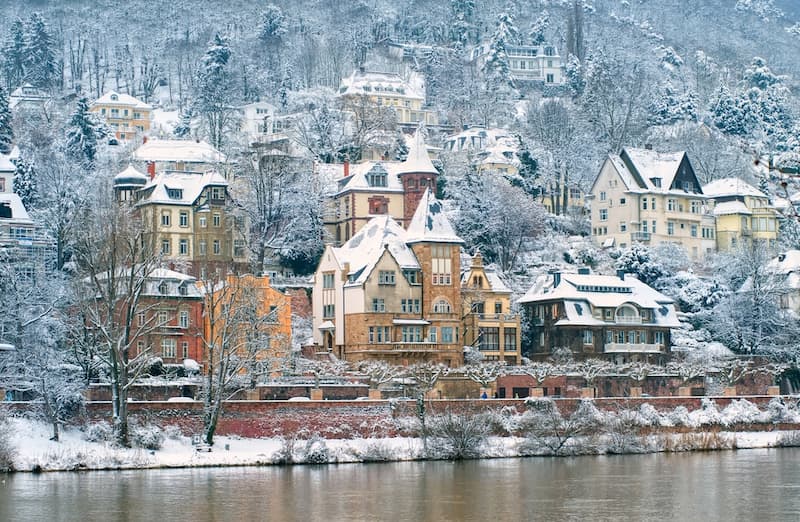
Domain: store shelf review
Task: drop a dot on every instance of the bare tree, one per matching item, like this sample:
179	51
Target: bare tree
485	373
379	372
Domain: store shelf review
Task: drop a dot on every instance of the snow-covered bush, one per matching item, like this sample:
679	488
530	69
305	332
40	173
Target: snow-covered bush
790	439
456	437
98	432
285	454
742	412
148	437
315	451
6	450
375	451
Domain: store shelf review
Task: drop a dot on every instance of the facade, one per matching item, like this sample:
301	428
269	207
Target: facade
372	189
527	63
127	116
169	318
742	213
643	196
488	324
252	318
618	318
27	97
187	217
392	294
157	155
23	242
493	150
405	95
786	268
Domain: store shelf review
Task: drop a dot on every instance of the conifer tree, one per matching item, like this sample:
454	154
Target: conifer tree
14	55
83	134
25	185
40	65
212	99
6	130
184	126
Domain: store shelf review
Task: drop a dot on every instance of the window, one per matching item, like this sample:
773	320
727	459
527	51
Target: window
412	334
165	219
622	201
137	115
141	318
670	228
327	311
379	334
165	246
432	334
603	214
588	337
441	306
163	288
216	247
185	350
412	276
378	305
658	338
694	231
183	319
217	193
654	226
498	307
489	338
549	78
168	348
441	265
183	220
447	334
510	339
377	177
644	203
644	226
174	193
203	222
216	220
238	247
327	280
671	205
410	306
623	227
183	247
602	196
163	318
386	277
694	207
201	247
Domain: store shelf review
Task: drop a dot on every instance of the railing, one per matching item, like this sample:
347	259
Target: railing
640	236
497	317
633	348
629	319
400	347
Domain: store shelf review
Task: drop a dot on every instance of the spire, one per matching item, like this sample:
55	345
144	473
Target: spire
418	160
430	223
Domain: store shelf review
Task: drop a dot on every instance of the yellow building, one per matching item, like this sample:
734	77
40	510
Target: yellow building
127	116
742	213
644	196
488	324
405	95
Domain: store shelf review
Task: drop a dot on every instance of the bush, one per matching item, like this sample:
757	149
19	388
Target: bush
456	437
316	451
377	451
790	439
147	437
98	432
285	454
6	450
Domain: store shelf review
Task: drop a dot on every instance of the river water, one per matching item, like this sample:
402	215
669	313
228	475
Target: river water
727	485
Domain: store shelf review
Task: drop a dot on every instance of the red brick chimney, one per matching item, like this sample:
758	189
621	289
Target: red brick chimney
151	169
346	168
144	140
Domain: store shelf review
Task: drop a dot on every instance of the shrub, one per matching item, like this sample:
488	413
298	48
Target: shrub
456	437
316	451
376	451
99	432
285	454
6	450
790	439
147	437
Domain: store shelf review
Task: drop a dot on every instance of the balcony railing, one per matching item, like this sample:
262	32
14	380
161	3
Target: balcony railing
640	236
497	317
401	347
629	319
633	348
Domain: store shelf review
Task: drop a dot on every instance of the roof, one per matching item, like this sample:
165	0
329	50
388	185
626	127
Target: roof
430	223
191	184
495	282
358	179
131	175
418	160
601	291
6	165
638	167
383	83
18	212
726	208
121	99
731	187
363	250
178	150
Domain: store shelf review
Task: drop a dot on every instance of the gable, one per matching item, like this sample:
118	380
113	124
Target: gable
685	178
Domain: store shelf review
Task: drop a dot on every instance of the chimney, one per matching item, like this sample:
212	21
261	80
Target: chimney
621	274
144	140
346	169
151	169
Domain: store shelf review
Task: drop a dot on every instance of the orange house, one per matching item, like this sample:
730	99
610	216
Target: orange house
245	315
127	116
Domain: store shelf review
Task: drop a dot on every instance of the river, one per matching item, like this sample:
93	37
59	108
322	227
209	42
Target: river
726	485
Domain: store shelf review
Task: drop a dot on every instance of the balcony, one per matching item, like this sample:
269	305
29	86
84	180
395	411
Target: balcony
629	319
640	236
395	347
633	348
746	232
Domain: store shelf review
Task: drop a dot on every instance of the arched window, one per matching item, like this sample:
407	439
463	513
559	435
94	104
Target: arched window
163	288
441	306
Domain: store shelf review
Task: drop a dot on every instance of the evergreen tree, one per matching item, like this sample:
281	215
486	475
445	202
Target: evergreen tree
14	55
40	65
285	86
496	68
538	28
670	107
6	130
212	99
273	25
84	132
400	147
184	126
25	185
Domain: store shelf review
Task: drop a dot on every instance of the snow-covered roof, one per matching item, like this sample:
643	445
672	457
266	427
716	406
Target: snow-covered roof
383	84
178	150
601	291
359	180
639	167
731	187
496	284
189	184
430	223
731	207
786	262
417	161
18	212
163	282
115	98
363	250
132	176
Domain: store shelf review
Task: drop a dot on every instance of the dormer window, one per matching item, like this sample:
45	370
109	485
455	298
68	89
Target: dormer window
182	289
174	193
114	97
656	182
163	288
377	177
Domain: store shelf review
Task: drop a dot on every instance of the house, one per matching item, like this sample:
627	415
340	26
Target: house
250	319
157	155
786	267
374	188
406	95
393	294
169	318
488	323
618	318
127	116
7	170
649	197
742	213
492	150
187	219
526	63
23	243
27	97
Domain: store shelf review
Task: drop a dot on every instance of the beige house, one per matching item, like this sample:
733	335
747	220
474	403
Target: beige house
526	63
649	197
742	213
127	116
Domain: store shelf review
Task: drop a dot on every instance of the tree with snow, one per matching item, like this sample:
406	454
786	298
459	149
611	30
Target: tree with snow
379	372
213	91
670	106
640	261
41	66
84	134
273	26
484	373
539	28
14	55
184	127
6	129
25	183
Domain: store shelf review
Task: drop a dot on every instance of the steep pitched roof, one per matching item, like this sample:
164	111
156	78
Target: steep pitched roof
191	184
418	160
358	179
638	168
364	250
430	223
